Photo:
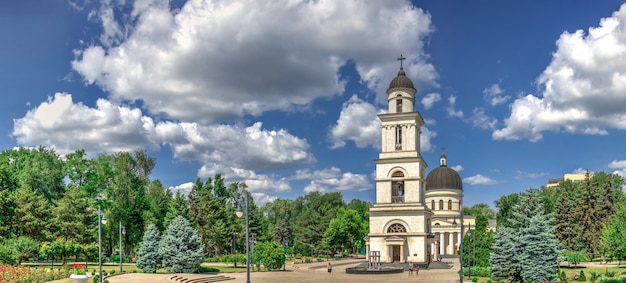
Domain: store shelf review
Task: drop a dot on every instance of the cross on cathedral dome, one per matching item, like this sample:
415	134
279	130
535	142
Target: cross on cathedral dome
401	80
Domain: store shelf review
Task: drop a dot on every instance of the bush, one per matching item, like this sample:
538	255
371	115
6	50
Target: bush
112	271
475	279
581	277
204	269
95	278
478	271
611	280
488	281
609	273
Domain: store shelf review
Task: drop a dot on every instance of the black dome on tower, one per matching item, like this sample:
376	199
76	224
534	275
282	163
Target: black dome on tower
443	177
401	80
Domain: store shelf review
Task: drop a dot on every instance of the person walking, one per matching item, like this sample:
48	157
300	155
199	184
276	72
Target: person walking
417	269
330	268
410	269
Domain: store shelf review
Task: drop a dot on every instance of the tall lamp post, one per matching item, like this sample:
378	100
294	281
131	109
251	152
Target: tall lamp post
239	214
284	251
101	219
469	252
122	231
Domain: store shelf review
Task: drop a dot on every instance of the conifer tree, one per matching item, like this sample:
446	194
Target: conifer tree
180	247
539	257
502	260
149	256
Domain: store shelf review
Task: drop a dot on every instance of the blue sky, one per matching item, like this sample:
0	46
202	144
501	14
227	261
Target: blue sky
283	95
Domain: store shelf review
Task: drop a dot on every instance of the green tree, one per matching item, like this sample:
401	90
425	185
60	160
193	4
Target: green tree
312	214
575	257
614	234
344	230
23	248
481	208
6	255
482	242
505	206
271	254
177	206
180	248
157	199
71	218
149	258
32	213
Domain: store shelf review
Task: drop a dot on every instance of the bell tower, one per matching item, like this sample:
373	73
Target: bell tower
399	220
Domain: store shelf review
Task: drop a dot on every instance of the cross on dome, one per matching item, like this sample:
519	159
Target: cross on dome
401	59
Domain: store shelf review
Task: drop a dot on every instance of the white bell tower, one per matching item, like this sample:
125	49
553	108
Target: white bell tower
399	220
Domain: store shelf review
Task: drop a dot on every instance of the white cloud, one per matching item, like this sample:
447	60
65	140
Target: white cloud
519	174
451	111
582	88
457	168
65	126
492	94
481	120
358	122
478	180
620	165
256	183
214	62
333	179
430	99
580	171
250	148
184	188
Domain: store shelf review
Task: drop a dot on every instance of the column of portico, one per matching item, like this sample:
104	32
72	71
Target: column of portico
442	244
433	251
451	244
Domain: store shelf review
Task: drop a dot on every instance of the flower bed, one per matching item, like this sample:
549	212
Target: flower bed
27	274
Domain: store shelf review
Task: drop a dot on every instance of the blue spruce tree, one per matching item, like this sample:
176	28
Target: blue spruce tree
149	257
180	247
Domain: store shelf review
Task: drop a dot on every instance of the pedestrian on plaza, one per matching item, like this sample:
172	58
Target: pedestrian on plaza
410	269
417	269
330	268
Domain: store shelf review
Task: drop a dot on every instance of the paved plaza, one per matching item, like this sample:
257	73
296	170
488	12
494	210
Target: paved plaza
310	272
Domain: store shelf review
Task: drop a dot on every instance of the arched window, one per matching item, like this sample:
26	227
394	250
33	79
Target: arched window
449	204
399	138
396	228
397	174
432	204
440	204
399	105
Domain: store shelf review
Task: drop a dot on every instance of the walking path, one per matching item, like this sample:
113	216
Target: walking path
306	272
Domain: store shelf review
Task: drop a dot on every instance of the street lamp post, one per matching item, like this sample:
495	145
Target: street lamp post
284	251
469	252
122	231
103	220
239	214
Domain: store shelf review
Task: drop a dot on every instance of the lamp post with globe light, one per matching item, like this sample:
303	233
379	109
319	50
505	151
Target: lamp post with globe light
240	214
122	231
101	220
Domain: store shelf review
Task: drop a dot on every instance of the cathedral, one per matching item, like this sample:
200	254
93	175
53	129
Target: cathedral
415	218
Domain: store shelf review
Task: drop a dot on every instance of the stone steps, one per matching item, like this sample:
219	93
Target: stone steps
207	279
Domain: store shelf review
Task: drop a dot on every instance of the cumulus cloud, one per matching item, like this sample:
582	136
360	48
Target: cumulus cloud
582	89
214	62
65	126
457	168
184	188
250	148
333	179
620	166
358	122
450	109
256	183
479	180
492	94
481	120
430	99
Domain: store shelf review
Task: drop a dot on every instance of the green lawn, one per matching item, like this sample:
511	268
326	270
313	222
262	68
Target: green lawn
571	271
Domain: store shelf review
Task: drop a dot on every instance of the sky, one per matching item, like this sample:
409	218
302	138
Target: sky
284	95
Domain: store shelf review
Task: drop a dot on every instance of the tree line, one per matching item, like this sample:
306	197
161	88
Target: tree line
50	201
538	228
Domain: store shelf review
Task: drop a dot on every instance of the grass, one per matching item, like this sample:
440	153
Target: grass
570	272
